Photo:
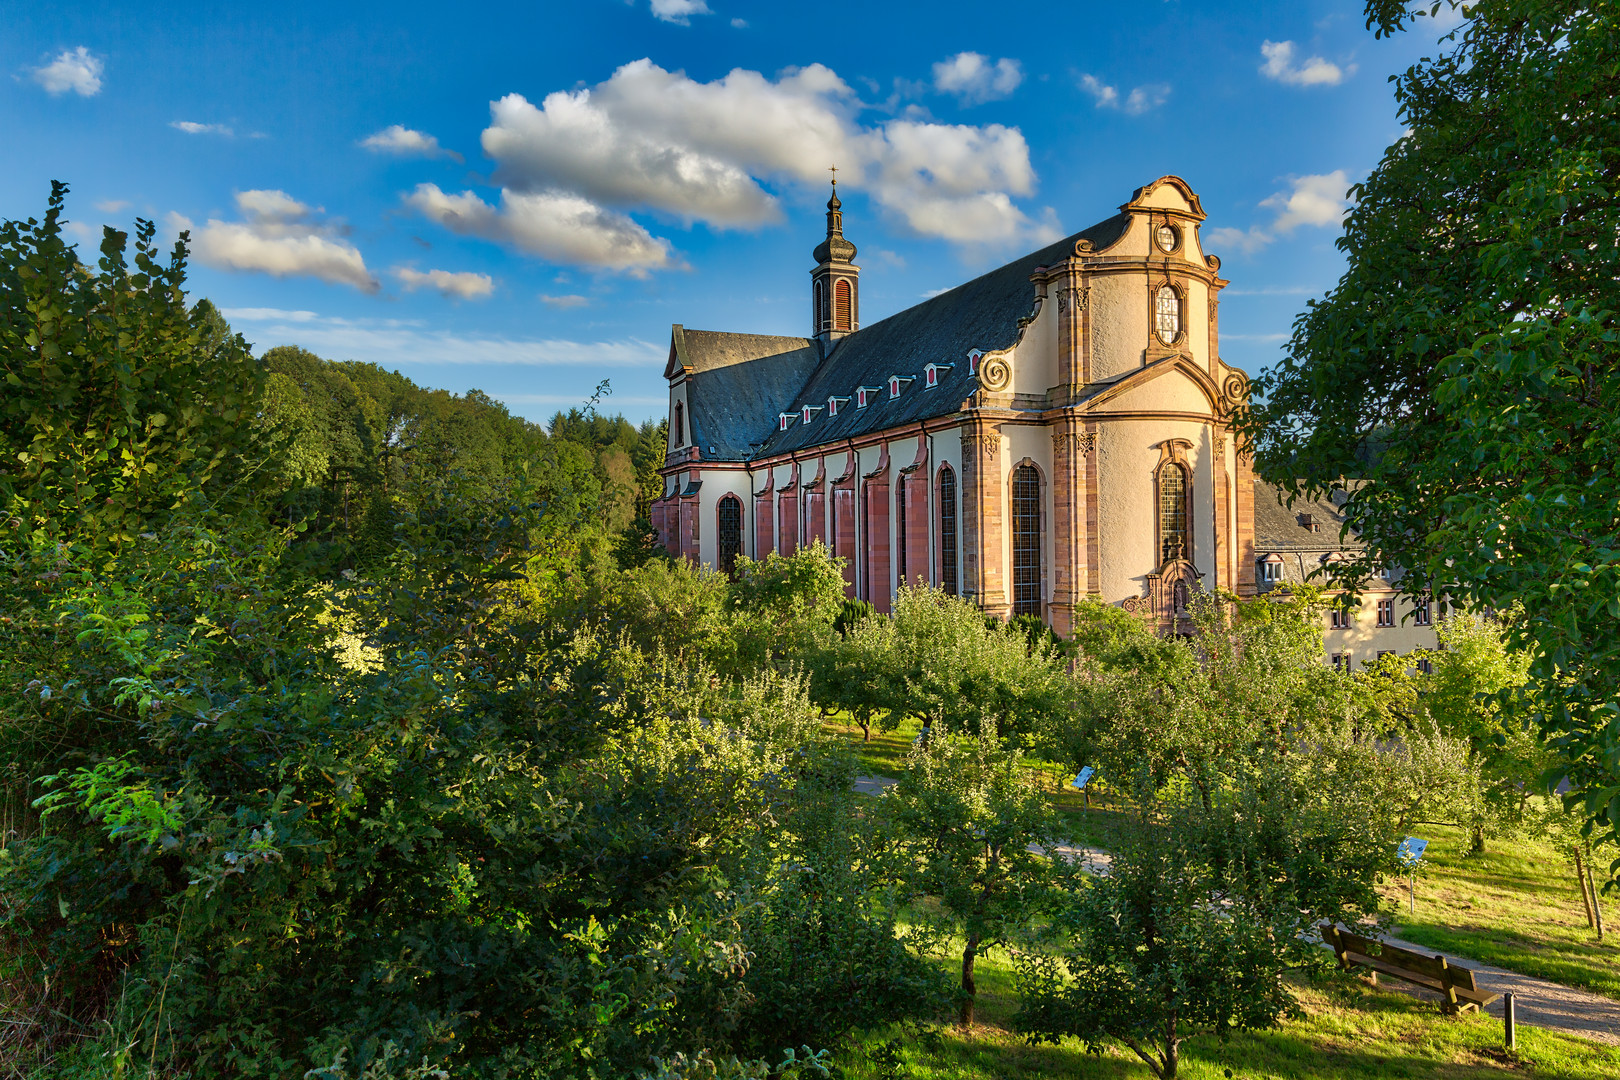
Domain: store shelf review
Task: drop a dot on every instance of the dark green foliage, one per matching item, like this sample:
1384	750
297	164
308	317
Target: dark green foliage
119	402
1466	367
851	615
421	815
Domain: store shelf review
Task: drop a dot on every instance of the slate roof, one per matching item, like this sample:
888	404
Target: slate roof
1277	526
981	314
741	382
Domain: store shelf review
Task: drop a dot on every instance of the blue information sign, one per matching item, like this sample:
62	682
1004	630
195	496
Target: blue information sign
1411	850
1083	777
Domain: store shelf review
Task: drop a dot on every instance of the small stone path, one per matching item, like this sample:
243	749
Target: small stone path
1539	1003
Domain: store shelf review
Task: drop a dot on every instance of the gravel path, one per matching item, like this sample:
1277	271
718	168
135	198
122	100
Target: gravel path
1539	1003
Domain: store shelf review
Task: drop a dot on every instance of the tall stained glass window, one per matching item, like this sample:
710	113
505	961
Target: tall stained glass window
947	531
1172	513
1026	540
900	530
729	534
1167	314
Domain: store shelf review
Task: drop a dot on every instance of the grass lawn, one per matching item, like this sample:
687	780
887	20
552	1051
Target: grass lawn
1350	1032
1516	907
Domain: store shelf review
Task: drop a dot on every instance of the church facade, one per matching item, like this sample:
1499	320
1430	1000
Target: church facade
1050	432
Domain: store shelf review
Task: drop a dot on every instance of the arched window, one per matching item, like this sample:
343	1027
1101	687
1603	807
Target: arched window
729	534
1172	513
1167	314
841	305
947	531
821	307
1026	540
680	425
900	530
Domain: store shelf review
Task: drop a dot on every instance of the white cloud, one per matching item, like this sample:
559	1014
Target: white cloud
557	226
191	127
739	24
570	301
393	342
77	70
651	139
1139	100
974	79
1317	200
679	12
406	142
279	239
1314	71
460	285
112	206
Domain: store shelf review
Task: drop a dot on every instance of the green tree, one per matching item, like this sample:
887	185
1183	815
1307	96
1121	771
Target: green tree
971	811
119	401
1464	371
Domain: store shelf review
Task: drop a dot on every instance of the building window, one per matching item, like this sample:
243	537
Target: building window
1026	540
729	534
821	307
1426	666
900	530
680	424
1386	613
1167	314
841	305
1420	613
1172	513
1341	660
1339	619
1271	568
947	531
1385	652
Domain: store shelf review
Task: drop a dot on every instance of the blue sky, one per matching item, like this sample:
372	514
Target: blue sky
522	199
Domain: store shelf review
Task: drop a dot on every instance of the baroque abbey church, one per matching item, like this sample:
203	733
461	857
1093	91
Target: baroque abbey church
1049	432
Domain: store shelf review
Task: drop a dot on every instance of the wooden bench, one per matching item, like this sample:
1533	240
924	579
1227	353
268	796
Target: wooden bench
1454	984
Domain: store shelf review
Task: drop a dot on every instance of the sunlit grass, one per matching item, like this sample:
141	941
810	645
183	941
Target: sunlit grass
1516	906
1350	1031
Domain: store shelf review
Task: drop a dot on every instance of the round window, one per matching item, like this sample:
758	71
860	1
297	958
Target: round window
1167	238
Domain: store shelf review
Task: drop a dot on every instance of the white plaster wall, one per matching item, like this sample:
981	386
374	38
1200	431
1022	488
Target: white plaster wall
677	393
1119	320
1034	361
1127	525
717	483
1136	240
1365	639
1170	392
1195	311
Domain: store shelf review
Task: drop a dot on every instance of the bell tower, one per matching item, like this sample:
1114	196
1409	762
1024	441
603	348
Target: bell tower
835	294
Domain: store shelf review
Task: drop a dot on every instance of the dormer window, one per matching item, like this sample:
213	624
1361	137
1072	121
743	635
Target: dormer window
933	373
1271	568
834	403
973	361
809	413
897	383
1308	523
864	395
783	420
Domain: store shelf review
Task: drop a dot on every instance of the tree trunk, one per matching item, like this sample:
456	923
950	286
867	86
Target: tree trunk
1597	909
969	988
1172	1048
1477	845
1586	897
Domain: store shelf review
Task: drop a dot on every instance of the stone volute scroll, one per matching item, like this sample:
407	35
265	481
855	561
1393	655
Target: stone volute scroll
995	372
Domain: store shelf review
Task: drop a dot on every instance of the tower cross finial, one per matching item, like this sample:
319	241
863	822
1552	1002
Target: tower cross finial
834	170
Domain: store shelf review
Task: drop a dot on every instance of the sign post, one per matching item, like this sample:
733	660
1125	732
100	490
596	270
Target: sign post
1081	779
1409	854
